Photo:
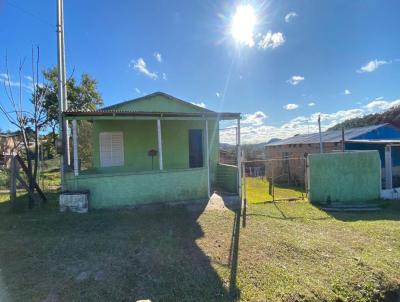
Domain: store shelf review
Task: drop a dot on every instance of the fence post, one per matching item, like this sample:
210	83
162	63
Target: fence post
273	183
243	165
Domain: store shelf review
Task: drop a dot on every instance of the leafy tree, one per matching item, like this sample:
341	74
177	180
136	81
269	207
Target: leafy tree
82	96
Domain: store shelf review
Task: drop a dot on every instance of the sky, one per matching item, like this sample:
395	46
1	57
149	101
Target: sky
279	63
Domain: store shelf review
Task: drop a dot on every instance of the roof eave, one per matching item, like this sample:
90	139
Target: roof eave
219	115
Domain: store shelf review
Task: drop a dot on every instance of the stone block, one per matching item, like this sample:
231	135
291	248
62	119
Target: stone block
77	202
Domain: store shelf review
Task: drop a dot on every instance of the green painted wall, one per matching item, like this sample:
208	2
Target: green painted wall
226	178
158	103
129	189
141	136
349	177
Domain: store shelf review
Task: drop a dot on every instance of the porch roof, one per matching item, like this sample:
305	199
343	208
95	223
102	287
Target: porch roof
115	114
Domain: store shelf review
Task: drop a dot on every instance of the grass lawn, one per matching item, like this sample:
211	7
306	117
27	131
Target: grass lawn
3	180
288	251
257	190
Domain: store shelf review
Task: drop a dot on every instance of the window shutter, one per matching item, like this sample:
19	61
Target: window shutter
111	149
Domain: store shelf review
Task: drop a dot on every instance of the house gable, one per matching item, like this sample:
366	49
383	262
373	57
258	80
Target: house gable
156	102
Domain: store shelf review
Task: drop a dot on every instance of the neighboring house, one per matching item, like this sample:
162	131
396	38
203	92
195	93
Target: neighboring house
9	143
289	153
156	148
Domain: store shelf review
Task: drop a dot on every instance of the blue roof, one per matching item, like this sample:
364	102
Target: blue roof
332	136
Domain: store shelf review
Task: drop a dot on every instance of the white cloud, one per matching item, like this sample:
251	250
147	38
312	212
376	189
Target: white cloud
218	94
258	132
290	106
164	76
256	118
200	104
290	16
158	57
347	92
311	104
380	105
294	80
271	40
372	66
140	65
137	90
7	80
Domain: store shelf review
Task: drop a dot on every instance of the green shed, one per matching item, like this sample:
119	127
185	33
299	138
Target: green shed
155	148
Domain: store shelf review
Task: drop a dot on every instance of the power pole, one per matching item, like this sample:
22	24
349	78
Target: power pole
321	148
62	92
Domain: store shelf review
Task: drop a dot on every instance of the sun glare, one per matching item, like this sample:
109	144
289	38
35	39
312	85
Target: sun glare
243	23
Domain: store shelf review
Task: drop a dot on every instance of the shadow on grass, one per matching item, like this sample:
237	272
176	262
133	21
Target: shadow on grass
118	255
389	210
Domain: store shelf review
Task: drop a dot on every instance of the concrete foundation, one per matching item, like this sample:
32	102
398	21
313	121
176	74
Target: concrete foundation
77	202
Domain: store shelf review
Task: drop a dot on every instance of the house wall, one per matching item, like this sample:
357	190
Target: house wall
8	145
131	189
344	177
141	135
227	178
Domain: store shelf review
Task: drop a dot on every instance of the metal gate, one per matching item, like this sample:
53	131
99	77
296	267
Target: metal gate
274	179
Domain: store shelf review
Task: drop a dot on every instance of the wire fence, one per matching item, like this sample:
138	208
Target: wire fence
274	179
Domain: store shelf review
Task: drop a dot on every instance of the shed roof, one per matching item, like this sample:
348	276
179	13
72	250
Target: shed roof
332	136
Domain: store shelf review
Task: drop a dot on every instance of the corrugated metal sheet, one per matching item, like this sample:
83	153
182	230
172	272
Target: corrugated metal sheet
327	137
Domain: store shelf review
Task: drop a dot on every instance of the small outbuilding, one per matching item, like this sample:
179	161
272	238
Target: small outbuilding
152	149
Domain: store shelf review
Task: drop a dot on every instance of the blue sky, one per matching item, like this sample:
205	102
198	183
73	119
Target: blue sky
338	58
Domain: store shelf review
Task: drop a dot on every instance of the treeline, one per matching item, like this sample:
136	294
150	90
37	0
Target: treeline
391	116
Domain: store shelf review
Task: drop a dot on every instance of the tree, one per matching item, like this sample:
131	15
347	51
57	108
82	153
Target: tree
29	117
81	96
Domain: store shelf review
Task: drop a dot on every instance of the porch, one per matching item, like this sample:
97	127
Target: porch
141	158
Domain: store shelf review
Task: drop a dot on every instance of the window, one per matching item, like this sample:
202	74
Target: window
111	149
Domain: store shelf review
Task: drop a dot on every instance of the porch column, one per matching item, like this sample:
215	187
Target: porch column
159	140
239	159
208	161
75	146
388	167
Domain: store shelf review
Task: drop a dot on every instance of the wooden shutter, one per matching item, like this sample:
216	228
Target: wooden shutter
111	149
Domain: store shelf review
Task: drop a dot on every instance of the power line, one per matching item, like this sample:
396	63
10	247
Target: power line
27	12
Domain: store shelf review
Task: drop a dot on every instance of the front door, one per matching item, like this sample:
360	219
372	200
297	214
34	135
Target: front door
195	148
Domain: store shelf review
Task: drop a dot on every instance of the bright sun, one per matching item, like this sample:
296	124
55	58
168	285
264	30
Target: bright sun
243	23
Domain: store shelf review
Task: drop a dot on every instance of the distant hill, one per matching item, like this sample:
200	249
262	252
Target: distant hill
391	116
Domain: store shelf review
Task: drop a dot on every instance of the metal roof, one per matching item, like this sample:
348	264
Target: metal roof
151	95
114	113
332	136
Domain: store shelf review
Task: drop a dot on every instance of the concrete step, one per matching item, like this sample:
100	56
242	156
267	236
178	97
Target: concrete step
351	209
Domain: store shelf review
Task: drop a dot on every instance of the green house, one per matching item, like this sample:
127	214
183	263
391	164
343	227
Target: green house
152	149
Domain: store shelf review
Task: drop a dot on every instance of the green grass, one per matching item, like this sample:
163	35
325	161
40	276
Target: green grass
257	190
288	251
3	180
